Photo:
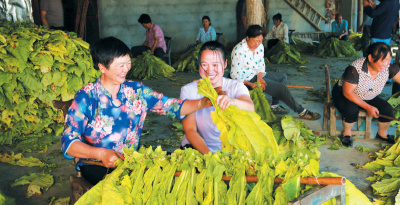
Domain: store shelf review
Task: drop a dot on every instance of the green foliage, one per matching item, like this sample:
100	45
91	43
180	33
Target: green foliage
283	53
5	200
304	47
38	66
36	182
386	167
333	47
355	40
362	149
240	130
147	67
189	60
261	105
394	101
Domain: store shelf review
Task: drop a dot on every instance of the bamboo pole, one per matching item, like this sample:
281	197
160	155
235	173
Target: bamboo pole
303	180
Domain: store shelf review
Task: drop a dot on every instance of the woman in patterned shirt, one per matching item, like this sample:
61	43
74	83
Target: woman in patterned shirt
109	114
360	86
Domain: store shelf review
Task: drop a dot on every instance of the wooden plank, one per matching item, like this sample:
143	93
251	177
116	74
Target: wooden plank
319	20
304	16
333	121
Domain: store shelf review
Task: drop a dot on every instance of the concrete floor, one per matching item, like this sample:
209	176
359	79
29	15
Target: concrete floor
332	161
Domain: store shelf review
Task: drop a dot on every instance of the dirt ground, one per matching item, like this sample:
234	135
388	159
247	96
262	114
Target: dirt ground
312	75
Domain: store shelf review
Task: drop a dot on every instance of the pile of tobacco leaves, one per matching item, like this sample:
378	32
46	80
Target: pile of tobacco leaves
283	53
38	66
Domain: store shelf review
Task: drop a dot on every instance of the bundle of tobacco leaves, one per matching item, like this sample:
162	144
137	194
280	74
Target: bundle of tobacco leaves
394	101
38	66
261	105
386	168
283	53
147	66
189	60
355	40
333	47
303	47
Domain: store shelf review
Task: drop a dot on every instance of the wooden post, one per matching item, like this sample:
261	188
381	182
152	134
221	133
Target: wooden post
266	8
253	13
360	15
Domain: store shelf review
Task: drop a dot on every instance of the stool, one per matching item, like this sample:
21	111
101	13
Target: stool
321	194
330	114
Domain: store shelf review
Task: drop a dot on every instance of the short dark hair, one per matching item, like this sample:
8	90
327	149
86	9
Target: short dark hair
106	50
277	16
213	46
254	31
379	51
206	17
144	18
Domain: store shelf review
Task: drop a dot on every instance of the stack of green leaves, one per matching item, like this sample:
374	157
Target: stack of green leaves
147	67
283	53
261	104
394	101
189	60
36	182
355	40
333	47
38	66
5	200
386	168
240	130
303	47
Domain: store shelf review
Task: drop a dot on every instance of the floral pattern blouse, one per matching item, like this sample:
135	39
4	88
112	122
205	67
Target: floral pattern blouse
245	65
94	119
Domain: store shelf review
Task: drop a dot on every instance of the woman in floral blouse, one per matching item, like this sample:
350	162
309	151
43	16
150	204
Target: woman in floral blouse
109	114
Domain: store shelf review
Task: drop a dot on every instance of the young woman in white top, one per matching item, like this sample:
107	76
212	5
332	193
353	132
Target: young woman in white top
201	132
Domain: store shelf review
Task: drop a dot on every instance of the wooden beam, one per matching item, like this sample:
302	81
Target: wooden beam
266	8
253	13
360	14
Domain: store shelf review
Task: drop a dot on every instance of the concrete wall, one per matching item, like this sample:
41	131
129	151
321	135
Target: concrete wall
293	19
349	12
180	19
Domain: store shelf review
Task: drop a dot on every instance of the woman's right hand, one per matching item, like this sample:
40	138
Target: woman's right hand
373	112
108	157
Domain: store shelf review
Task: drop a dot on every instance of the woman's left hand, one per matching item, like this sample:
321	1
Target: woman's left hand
224	101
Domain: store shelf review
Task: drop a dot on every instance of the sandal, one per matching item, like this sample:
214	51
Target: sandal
346	140
279	110
390	138
310	115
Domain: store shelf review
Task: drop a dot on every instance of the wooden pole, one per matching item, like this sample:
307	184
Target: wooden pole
266	8
253	12
360	15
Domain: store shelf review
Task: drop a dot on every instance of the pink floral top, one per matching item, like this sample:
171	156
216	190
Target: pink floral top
151	34
96	121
